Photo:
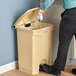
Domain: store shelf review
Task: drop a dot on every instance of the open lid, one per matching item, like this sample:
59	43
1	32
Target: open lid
29	16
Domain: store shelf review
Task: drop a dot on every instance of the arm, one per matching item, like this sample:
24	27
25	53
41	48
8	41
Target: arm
46	4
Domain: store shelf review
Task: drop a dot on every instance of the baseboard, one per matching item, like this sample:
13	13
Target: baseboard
8	67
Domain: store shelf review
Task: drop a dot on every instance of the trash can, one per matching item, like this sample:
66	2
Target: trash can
35	44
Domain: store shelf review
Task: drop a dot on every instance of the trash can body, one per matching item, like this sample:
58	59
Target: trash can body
34	48
35	44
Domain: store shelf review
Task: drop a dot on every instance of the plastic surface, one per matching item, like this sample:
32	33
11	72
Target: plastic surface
29	16
34	48
34	45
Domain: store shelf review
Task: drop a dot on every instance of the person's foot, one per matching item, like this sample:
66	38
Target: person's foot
74	71
50	69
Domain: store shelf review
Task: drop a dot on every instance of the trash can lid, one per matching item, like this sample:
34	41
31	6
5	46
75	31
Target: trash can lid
28	17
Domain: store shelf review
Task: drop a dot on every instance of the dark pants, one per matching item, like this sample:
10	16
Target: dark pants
66	31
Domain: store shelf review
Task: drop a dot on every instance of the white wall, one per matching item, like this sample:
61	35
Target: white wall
74	48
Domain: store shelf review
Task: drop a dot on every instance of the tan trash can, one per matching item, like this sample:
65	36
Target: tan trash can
34	45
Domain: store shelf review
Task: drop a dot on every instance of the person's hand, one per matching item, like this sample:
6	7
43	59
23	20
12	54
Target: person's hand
40	12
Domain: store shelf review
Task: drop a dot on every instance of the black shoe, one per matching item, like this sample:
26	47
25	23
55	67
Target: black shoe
74	71
49	69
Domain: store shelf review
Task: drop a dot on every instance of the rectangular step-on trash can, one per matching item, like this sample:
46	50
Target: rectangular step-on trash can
35	44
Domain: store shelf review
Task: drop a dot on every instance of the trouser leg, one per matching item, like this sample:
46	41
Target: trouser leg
66	33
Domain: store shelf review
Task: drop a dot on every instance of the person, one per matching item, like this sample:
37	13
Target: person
66	31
